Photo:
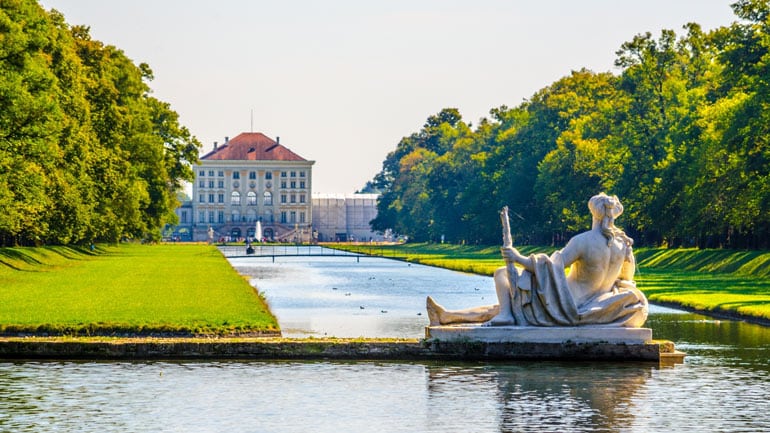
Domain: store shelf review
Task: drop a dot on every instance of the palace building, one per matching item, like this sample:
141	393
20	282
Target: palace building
248	179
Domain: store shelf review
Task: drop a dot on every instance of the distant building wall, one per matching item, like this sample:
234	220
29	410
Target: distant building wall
344	217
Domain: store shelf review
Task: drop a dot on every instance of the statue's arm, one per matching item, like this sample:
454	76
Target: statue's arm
629	265
571	252
512	255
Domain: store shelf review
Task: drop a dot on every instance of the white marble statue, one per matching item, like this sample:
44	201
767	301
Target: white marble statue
598	290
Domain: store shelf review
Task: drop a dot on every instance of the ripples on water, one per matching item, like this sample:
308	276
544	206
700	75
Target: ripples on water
724	384
377	397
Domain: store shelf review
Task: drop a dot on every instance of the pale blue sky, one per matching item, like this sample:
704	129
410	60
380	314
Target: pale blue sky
341	81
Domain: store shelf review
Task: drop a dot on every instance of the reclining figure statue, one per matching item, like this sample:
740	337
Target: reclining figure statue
598	290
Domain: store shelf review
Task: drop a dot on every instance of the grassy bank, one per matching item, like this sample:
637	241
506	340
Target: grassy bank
127	289
716	282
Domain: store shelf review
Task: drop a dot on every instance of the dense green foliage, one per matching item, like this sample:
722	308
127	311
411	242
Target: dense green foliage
127	289
680	135
86	154
719	282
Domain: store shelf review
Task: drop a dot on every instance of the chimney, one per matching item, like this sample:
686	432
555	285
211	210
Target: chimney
227	139
278	140
215	145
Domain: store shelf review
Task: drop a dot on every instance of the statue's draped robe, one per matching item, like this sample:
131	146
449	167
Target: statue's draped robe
543	298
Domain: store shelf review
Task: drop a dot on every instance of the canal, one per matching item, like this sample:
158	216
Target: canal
723	385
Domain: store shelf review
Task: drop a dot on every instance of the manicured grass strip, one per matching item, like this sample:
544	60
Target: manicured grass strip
127	289
745	263
710	281
708	292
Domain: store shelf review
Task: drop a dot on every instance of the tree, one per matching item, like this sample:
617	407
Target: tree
85	153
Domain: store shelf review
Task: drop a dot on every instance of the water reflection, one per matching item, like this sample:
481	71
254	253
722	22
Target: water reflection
317	396
252	396
712	341
545	396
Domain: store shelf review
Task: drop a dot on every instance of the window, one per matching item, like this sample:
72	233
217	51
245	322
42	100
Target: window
201	184
302	184
283	198
292	217
283	174
251	198
302	217
283	184
235	216
293	184
211	184
221	184
268	197
211	198
220	198
201	198
236	175
184	216
293	174
235	198
294	198
201	217
221	217
252	175
302	198
221	173
269	175
301	174
211	216
283	217
201	173
211	173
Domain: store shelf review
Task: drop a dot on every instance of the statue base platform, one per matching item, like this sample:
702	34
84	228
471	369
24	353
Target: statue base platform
589	343
539	334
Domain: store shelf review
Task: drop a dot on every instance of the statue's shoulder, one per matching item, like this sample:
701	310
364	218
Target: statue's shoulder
582	239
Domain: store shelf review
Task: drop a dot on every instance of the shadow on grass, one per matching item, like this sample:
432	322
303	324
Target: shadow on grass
35	259
14	257
747	263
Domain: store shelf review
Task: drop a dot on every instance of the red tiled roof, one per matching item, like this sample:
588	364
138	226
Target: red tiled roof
252	146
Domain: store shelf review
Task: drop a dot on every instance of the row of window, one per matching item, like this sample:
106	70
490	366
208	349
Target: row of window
252	174
219	217
221	184
251	198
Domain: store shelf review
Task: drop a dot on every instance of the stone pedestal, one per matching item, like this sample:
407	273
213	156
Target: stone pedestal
539	334
589	343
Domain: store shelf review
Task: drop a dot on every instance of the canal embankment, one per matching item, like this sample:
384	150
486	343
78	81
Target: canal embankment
326	349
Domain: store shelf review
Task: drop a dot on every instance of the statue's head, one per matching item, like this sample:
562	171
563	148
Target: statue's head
606	208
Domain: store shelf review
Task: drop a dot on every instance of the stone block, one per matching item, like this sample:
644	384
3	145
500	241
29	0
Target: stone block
539	334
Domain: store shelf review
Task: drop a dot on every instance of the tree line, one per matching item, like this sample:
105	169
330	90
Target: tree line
86	153
680	134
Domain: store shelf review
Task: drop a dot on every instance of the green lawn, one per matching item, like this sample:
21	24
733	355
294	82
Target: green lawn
711	281
127	289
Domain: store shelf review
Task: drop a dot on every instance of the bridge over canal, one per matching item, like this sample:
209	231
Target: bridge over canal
273	251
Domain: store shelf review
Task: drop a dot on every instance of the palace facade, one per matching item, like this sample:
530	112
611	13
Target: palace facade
251	178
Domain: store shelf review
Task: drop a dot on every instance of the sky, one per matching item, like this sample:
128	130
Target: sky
342	81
